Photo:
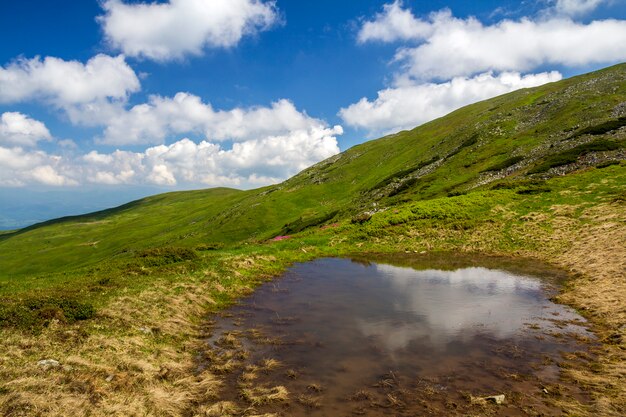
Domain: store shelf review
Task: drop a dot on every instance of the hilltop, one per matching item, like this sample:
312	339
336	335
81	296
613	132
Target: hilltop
537	174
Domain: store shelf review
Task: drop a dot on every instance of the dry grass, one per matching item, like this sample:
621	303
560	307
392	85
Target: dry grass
219	409
110	367
362	395
309	401
260	395
592	247
597	255
269	364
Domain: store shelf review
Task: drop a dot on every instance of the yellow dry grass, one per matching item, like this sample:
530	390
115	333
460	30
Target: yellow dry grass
597	256
134	360
592	247
260	395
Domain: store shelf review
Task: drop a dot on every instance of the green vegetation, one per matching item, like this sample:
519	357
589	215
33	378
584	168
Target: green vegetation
396	169
34	312
602	128
301	224
166	256
405	172
572	155
504	164
465	144
125	291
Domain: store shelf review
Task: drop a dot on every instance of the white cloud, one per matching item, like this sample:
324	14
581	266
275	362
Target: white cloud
447	62
66	83
17	129
247	164
47	175
164	31
449	47
19	167
394	23
576	7
408	105
161	117
161	175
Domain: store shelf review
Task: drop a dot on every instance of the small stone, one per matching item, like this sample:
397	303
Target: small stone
110	378
48	363
145	330
498	399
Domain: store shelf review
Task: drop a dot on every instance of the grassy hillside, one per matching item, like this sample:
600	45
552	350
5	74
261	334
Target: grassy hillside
120	297
532	133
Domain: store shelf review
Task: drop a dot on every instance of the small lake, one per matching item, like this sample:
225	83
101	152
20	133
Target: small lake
338	337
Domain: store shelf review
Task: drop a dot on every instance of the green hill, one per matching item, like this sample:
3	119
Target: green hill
529	134
120	297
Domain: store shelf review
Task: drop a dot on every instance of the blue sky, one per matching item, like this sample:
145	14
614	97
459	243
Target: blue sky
102	102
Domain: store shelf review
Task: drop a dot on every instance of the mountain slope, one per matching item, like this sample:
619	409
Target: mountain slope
120	297
532	133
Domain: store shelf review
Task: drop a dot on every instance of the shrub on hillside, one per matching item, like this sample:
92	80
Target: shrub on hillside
504	164
38	311
572	155
209	246
166	255
602	128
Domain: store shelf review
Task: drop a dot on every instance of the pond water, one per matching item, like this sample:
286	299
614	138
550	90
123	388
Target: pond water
340	337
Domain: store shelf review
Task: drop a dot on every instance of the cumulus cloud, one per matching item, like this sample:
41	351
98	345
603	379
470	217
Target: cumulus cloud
250	163
446	62
449	47
394	23
19	167
164	31
408	105
66	83
17	129
576	7
247	164
269	143
466	46
153	122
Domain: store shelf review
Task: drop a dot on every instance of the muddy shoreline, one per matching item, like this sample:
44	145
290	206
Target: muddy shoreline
250	360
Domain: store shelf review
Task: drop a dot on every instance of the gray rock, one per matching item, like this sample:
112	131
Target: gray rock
498	399
145	330
48	363
619	110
